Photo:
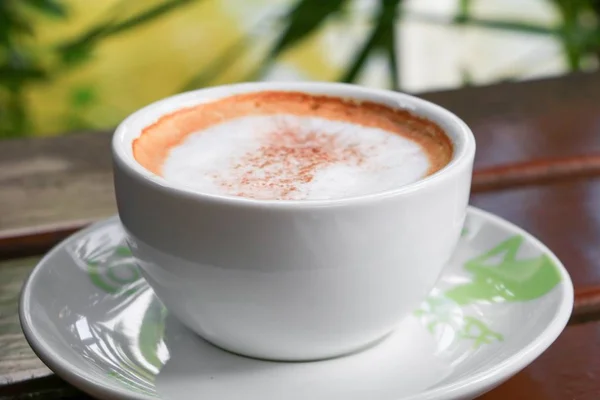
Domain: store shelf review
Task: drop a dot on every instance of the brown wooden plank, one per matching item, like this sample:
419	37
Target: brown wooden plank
37	240
516	122
46	388
63	179
587	305
565	216
47	181
17	360
535	172
569	369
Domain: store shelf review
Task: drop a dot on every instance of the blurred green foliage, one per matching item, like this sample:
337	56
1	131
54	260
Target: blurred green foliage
23	64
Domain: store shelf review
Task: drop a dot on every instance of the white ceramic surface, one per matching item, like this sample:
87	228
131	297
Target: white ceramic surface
292	280
501	301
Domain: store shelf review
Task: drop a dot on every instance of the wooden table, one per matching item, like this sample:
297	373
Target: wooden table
537	162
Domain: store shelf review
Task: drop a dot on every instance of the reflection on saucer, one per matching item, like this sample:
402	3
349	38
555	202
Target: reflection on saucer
198	369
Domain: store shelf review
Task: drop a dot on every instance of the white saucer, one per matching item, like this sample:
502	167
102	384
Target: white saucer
503	299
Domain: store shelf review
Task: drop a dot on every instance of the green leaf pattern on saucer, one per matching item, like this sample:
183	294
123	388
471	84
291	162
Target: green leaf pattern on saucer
114	270
496	276
111	268
510	279
500	275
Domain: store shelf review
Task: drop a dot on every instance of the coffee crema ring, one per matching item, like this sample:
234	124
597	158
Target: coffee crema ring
284	145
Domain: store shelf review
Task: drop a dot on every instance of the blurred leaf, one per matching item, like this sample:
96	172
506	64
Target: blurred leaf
11	23
15	119
394	11
595	6
393	62
592	41
76	53
464	10
81	97
4	26
52	8
302	20
16	76
79	49
569	34
147	16
487	23
466	77
20	25
382	37
360	59
18	69
217	66
579	31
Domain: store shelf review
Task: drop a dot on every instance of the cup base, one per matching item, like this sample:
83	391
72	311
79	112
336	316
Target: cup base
295	355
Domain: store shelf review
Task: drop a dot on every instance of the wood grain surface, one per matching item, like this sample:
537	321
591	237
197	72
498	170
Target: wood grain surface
45	181
568	370
17	360
565	216
538	164
516	122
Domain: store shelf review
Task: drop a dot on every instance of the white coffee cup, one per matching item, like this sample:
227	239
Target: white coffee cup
292	280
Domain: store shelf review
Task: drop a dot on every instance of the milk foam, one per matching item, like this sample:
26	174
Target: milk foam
219	160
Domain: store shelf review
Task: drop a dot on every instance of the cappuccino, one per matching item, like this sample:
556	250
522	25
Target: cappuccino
280	145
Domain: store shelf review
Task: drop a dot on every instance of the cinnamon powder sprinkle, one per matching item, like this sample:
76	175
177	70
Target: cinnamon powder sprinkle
287	160
290	157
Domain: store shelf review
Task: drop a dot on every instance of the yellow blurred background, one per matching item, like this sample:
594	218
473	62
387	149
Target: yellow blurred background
77	65
186	45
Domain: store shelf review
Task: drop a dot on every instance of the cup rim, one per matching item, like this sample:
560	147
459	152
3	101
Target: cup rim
461	135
